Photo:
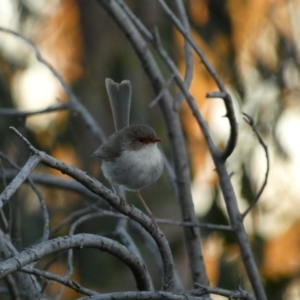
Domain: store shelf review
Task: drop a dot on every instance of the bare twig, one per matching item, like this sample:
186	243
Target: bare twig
39	195
188	53
19	179
144	296
60	183
54	277
250	121
12	112
161	93
103	213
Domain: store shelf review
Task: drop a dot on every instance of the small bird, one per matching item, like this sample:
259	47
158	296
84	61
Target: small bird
130	157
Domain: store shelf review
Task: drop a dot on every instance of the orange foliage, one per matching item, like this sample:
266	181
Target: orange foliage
60	41
282	254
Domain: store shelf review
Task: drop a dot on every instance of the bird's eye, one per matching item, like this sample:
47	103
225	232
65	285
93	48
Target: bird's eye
141	140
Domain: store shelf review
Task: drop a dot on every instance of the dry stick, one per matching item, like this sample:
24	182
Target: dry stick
118	203
188	53
60	183
12	112
75	104
39	195
54	277
250	121
173	124
19	179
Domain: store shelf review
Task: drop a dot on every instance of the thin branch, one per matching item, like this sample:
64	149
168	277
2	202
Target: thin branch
250	121
54	277
19	179
44	210
39	195
107	213
188	53
161	93
60	183
70	218
12	112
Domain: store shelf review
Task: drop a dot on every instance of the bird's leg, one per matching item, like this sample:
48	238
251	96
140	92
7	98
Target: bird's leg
146	207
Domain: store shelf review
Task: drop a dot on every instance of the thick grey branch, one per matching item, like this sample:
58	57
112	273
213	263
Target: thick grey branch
77	241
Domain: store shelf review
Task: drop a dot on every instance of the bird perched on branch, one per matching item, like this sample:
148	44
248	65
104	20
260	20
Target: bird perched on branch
131	157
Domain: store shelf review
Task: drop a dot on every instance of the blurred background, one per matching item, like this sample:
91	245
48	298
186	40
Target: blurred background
253	45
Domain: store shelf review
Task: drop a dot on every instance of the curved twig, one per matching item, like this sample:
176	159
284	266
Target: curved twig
19	179
54	277
188	53
80	241
227	98
250	121
39	195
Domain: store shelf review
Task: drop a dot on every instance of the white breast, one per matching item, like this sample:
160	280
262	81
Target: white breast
135	169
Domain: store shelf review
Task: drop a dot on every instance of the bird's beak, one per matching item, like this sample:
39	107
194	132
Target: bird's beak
157	139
